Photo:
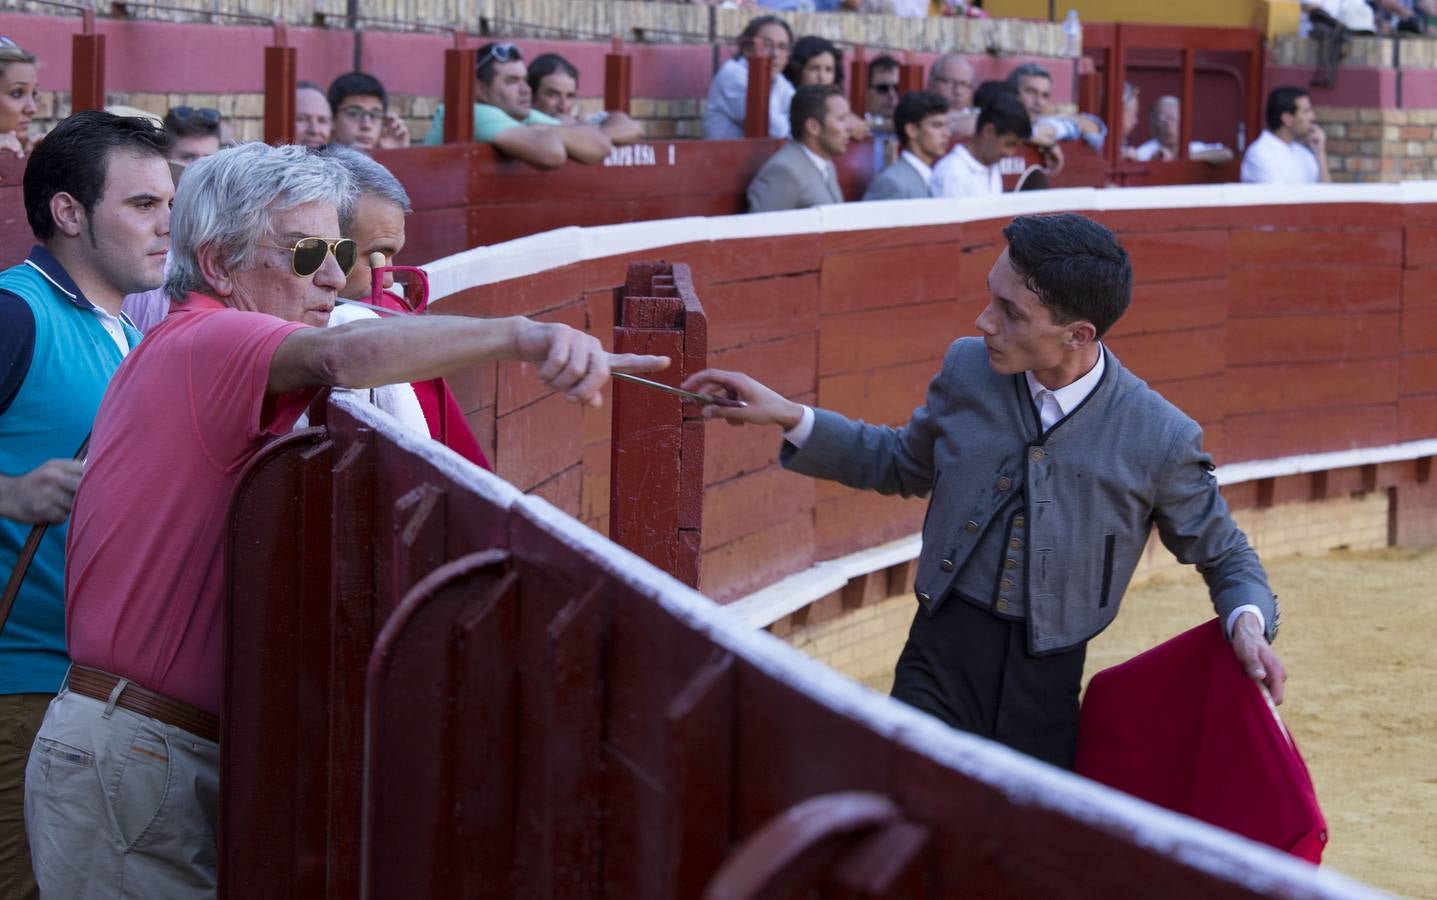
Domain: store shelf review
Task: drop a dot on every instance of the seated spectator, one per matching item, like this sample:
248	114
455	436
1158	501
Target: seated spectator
921	121
802	174
880	100
1034	86
313	119
554	86
1293	148
374	220
97	195
971	168
1165	122
196	132
1130	118
724	111
814	60
19	96
256	265
505	116
362	119
952	78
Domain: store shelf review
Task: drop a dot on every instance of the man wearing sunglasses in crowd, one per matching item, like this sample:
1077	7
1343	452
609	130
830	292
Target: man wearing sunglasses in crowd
97	197
362	119
505	116
881	101
131	750
196	133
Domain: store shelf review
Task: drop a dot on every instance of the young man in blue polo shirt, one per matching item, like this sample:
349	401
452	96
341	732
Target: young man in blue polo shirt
97	196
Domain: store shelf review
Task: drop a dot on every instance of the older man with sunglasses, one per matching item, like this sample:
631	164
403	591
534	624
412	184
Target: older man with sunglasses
121	792
505	116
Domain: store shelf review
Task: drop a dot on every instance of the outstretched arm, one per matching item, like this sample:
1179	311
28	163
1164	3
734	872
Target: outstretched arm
537	145
386	351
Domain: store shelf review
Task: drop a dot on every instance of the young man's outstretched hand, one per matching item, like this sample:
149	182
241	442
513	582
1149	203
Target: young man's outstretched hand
764	406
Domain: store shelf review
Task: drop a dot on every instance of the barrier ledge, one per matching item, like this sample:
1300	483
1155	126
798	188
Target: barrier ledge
550	250
1021	779
769	604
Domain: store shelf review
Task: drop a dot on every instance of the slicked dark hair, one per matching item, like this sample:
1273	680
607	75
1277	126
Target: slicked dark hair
989	91
1007	115
356	84
884	62
913	107
1282	100
810	102
547	64
1077	268
75	157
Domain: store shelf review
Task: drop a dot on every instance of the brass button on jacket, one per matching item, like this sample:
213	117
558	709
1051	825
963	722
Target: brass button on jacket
946	565
1010	563
1004	483
1005	584
1036	454
1002	604
970	527
1015	544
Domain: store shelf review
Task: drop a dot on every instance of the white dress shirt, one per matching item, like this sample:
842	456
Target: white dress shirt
958	174
1271	160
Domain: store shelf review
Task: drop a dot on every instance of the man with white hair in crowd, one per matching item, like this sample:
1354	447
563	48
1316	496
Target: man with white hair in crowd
126	790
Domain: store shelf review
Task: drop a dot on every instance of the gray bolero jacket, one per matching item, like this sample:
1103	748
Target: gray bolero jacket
1094	486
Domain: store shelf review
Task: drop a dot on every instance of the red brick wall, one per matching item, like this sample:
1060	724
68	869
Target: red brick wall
1282	330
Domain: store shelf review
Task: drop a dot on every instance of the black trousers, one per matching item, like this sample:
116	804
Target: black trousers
973	670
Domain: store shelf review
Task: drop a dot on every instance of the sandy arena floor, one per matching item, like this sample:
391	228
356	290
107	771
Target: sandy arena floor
1358	637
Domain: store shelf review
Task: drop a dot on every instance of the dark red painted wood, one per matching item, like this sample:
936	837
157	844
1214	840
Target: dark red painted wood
618	78
760	81
279	79
87	72
459	64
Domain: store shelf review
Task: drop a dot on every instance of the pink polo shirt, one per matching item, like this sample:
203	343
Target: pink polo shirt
144	588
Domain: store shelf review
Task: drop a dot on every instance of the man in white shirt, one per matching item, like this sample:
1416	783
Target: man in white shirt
921	122
971	168
801	174
1293	149
1165	122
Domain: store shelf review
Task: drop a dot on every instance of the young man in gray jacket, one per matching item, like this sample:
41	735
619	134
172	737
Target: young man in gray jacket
1047	465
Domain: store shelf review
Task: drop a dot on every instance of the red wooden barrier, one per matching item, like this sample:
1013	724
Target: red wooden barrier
760	82
459	65
618	78
659	439
438	688
279	81
87	71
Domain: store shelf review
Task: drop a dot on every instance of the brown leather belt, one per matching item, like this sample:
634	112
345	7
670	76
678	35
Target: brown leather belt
98	685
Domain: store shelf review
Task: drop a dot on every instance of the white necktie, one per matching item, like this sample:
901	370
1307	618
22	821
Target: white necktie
1048	410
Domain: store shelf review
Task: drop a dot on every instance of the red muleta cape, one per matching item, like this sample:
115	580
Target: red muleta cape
1182	726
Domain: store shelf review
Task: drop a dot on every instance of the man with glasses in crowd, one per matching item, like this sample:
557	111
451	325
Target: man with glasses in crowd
505	116
122	788
881	101
362	119
97	197
196	133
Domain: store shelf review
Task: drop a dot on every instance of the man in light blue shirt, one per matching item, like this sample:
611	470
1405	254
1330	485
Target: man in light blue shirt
505	116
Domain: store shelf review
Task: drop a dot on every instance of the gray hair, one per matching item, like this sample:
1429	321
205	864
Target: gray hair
1028	70
1158	105
944	60
369	178
226	202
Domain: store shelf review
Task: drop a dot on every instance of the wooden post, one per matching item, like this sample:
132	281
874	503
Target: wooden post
910	77
1185	126
858	82
279	79
760	81
459	65
657	481
1117	75
87	72
617	78
1256	91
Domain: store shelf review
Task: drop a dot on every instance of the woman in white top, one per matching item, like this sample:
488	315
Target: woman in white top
764	36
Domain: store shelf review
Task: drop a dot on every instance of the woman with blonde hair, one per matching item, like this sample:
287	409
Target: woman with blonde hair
19	95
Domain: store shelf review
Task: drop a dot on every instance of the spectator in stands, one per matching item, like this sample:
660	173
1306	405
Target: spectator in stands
814	60
505	116
921	121
881	99
971	168
1165	123
554	86
361	114
256	261
97	197
1293	147
764	36
1130	118
802	174
374	220
313	119
1034	86
1039	451
952	77
19	96
195	130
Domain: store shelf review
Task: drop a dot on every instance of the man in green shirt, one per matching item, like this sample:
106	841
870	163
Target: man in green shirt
505	116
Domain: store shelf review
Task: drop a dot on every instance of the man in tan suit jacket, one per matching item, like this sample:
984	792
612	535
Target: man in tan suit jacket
802	174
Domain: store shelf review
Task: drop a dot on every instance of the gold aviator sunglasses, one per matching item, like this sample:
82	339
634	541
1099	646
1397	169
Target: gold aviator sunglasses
307	254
